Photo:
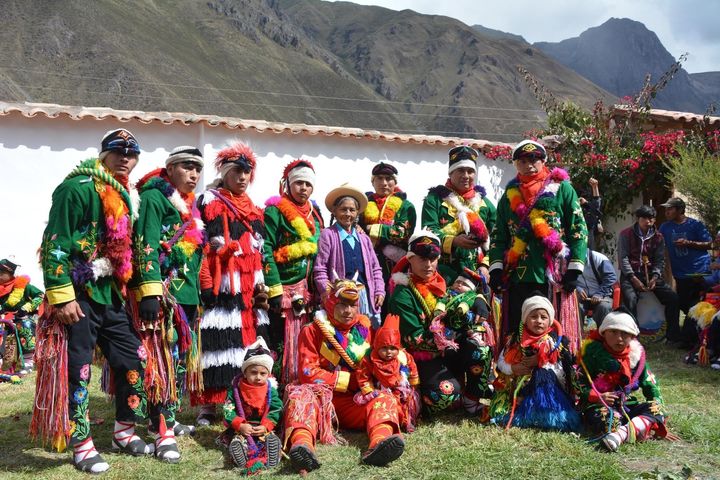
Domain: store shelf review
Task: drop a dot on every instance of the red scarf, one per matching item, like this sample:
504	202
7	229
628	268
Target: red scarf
544	345
387	372
530	185
435	285
468	195
244	206
622	357
254	396
6	288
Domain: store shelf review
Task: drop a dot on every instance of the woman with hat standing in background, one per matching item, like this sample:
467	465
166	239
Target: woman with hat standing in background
389	218
460	214
346	251
292	224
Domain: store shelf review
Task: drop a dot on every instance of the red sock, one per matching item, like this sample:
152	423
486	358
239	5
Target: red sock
301	436
380	432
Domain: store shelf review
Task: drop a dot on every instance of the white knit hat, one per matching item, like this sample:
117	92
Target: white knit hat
619	321
533	303
258	354
185	153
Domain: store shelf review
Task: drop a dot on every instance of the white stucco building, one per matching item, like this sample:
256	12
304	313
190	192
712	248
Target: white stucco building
41	143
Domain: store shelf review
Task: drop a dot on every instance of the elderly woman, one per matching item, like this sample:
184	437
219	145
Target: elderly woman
444	367
345	251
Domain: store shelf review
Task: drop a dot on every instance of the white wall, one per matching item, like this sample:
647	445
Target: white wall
37	153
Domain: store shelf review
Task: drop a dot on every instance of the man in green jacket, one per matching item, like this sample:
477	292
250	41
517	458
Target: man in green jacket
86	258
540	238
168	252
21	299
461	215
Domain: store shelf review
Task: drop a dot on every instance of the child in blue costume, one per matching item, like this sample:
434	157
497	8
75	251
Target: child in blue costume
535	381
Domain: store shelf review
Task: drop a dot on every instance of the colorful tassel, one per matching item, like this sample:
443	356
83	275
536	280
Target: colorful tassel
50	418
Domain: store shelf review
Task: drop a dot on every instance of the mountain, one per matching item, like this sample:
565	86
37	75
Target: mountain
294	61
618	54
498	34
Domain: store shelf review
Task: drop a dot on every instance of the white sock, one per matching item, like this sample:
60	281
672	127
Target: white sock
168	438
124	433
165	437
86	450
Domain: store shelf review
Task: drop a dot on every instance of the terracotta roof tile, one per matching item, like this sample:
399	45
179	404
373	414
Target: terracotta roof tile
667	115
51	110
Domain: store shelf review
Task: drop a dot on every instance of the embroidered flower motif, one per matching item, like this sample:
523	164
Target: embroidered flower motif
73	426
133	401
142	353
85	372
80	395
446	387
476	369
132	377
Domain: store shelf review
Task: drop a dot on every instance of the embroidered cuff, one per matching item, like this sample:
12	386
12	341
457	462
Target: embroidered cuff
150	289
236	422
275	291
447	244
366	388
343	380
495	266
61	294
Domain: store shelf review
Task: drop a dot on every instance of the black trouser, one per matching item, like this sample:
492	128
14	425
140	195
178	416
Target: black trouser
109	327
442	379
689	291
190	312
596	416
517	294
665	295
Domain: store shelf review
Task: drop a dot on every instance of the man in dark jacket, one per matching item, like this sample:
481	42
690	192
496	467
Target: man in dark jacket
641	256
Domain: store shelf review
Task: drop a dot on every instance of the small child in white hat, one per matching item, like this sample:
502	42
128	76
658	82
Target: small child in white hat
252	410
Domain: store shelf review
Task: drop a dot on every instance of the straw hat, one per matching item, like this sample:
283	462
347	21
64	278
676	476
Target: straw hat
346	190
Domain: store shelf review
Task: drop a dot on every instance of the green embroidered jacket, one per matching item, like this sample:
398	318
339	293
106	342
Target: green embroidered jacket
436	214
279	233
75	225
157	223
568	220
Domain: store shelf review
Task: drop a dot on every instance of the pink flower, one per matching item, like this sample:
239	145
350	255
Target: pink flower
142	353
85	372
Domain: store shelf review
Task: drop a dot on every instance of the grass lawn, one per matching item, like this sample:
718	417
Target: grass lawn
452	446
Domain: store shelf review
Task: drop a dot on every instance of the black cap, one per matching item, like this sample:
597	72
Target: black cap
383	168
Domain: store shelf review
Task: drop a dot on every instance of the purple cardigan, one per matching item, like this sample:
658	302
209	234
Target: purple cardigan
330	256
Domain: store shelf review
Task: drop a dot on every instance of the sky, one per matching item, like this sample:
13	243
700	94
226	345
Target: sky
691	26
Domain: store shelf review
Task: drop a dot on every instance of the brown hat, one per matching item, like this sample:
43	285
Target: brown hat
346	190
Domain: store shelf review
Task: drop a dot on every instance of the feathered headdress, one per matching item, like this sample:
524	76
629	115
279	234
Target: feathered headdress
239	154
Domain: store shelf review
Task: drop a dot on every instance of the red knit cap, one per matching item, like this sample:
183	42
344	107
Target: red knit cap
389	334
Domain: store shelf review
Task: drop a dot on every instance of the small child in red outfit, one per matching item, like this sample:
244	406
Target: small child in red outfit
252	410
390	367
